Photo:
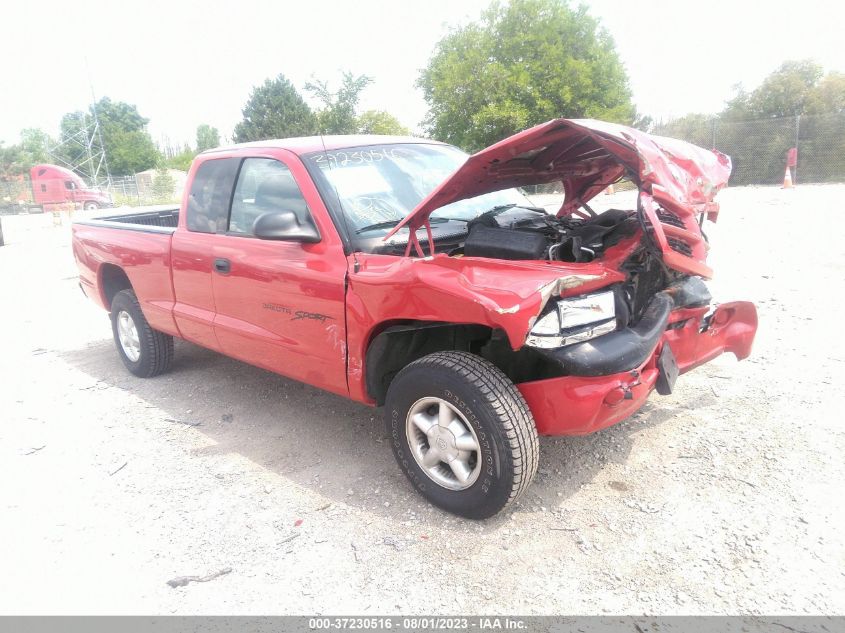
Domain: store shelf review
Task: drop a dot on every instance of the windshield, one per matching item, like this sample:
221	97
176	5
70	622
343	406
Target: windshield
379	185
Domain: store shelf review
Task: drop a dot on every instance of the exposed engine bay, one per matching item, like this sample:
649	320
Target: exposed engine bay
520	233
517	233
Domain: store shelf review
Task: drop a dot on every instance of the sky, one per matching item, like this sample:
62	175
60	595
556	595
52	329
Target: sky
185	63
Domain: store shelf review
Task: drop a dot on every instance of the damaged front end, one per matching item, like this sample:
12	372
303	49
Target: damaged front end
588	312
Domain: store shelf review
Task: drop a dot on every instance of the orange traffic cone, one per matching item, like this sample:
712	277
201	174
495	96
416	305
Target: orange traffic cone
787	179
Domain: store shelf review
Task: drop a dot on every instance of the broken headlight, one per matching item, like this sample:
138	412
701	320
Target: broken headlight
574	320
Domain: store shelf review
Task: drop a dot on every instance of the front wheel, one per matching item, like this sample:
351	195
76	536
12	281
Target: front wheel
462	433
145	351
90	206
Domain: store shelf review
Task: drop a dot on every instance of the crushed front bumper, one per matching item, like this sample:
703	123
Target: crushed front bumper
610	377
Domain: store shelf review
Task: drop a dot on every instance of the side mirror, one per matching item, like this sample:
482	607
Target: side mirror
285	226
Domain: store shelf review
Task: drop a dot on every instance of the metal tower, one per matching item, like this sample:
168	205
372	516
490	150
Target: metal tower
85	147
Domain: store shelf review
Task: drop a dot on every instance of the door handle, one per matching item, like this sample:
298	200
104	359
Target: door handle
222	266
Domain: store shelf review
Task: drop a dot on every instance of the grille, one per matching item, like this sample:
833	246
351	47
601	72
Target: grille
667	217
679	246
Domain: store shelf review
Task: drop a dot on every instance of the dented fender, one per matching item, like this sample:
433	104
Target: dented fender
503	295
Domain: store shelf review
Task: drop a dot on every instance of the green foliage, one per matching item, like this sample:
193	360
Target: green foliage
163	185
643	122
275	110
338	112
828	96
207	137
794	105
128	146
181	161
11	162
380	122
130	151
19	158
784	92
35	144
693	128
523	63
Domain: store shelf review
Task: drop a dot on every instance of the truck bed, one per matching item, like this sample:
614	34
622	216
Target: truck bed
160	220
135	245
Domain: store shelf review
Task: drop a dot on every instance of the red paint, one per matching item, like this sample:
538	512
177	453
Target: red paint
576	406
52	185
680	177
253	312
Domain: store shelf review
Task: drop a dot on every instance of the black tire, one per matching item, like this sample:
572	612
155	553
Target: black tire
499	417
90	205
156	348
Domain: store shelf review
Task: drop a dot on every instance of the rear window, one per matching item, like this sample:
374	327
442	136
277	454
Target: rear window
211	192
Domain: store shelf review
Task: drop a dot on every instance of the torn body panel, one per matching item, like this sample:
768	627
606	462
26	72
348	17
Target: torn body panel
577	405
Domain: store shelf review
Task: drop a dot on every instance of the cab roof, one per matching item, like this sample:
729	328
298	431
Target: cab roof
307	144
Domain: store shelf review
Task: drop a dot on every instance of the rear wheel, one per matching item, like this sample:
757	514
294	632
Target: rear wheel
462	433
143	350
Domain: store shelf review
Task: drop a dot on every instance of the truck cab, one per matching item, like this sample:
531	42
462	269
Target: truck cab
53	185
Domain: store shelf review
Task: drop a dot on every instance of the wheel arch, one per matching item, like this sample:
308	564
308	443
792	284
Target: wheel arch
395	344
112	279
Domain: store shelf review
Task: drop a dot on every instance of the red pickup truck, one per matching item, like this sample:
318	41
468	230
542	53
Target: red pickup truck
401	272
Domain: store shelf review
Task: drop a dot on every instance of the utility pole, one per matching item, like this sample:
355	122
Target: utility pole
797	127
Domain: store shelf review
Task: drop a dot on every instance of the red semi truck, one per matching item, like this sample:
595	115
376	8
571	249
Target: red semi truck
53	187
402	273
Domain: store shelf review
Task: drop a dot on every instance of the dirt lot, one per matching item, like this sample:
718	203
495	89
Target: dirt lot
721	498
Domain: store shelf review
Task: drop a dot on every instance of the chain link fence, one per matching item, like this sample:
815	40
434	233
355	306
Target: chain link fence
147	188
152	187
758	147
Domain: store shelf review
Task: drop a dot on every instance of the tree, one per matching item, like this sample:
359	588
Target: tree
207	137
127	144
275	110
130	151
163	185
18	159
694	128
828	96
338	114
794	105
181	161
11	163
35	144
784	92
523	63
380	122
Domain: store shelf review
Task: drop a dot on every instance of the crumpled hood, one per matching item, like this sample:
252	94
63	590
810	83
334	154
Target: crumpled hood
678	180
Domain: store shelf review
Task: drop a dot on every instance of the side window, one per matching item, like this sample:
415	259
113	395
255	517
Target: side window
69	184
211	190
265	185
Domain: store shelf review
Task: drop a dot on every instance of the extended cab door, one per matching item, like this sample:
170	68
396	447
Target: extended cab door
281	305
205	212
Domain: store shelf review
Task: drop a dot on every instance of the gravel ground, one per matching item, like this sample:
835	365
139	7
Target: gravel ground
721	498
